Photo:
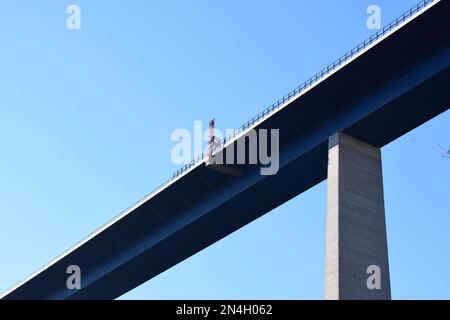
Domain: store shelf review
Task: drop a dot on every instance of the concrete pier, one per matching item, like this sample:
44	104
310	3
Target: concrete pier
356	246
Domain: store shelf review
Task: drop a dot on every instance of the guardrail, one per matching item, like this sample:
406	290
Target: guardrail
294	93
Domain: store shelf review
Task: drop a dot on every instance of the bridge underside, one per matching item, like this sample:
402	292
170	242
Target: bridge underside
391	89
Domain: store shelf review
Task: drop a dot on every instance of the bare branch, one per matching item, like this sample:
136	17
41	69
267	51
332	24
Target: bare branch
446	153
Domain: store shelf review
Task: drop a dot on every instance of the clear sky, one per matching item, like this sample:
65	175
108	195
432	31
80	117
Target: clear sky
86	118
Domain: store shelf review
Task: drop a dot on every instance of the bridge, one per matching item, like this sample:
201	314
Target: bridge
331	127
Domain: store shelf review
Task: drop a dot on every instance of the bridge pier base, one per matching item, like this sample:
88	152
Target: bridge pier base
356	246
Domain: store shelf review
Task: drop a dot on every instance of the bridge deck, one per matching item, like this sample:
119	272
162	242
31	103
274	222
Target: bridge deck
392	86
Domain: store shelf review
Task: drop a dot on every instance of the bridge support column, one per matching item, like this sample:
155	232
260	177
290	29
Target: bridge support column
356	246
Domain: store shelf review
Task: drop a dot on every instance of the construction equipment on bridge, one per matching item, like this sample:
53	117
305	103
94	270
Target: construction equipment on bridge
213	143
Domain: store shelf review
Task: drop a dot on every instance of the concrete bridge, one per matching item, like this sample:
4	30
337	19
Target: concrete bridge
332	127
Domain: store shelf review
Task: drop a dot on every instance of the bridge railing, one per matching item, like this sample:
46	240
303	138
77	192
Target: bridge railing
290	96
311	81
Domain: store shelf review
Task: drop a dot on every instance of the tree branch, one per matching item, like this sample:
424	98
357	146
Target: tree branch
446	153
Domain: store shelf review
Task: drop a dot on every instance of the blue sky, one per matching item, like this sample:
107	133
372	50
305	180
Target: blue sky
86	117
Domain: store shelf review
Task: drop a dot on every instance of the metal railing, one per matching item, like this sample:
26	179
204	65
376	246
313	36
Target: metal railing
314	79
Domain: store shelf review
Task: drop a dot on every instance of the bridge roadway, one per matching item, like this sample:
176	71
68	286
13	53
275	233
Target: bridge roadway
391	86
